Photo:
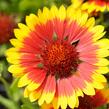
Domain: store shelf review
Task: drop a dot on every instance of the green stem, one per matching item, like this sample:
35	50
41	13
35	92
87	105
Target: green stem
8	103
14	83
6	86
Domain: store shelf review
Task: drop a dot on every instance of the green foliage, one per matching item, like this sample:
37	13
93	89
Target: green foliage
30	5
28	105
103	107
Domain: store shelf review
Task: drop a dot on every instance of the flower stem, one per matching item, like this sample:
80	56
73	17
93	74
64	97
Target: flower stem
8	103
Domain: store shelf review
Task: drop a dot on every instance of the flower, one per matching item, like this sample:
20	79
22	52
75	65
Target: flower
92	102
88	102
59	56
96	5
7	24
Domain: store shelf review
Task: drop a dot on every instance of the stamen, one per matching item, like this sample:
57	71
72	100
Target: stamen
60	59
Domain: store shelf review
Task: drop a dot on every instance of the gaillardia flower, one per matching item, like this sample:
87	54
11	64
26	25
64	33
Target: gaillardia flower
96	5
7	24
59	56
88	102
92	102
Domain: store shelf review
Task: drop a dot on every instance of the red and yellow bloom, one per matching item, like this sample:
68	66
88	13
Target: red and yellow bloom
7	24
92	102
88	102
96	5
59	56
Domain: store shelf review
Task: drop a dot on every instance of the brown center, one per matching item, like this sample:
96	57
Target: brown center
60	59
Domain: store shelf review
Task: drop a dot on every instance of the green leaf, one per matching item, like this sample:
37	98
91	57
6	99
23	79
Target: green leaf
16	93
1	68
28	105
3	48
30	5
102	107
8	103
4	5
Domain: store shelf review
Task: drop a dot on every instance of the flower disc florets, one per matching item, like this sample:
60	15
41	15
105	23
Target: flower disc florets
60	59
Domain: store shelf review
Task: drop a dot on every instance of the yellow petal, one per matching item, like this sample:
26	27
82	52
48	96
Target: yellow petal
54	11
49	97
77	103
83	19
11	50
89	90
76	3
16	43
23	32
46	14
62	102
77	15
32	86
103	53
102	62
16	70
26	92
13	57
12	60
102	70
62	13
23	81
34	95
71	98
98	36
90	23
18	34
31	21
97	85
99	77
23	27
103	43
98	32
79	92
41	100
69	12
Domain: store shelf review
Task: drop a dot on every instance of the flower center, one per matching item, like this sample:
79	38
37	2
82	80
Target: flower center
60	60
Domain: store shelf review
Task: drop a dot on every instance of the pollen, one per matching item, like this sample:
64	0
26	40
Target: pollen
60	59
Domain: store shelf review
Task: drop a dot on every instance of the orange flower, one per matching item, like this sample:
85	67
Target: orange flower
96	5
7	25
92	102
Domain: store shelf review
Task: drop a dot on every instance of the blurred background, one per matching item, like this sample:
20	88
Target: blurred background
12	12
